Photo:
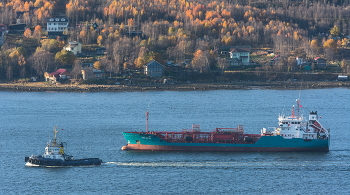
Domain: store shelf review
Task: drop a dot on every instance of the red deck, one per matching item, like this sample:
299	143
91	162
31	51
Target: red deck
219	135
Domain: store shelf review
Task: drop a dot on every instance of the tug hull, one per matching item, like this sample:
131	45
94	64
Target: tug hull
47	162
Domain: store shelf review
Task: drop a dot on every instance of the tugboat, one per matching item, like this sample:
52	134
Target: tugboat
55	156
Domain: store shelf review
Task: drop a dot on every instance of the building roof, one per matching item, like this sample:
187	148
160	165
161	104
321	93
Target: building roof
319	58
240	50
72	44
57	19
59	72
152	63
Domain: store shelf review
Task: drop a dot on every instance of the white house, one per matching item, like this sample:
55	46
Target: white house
57	24
242	54
73	46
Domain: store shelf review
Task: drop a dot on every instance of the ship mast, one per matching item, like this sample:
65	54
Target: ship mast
298	107
55	136
146	121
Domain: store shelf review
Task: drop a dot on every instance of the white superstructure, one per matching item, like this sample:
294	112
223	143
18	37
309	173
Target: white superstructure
54	149
296	126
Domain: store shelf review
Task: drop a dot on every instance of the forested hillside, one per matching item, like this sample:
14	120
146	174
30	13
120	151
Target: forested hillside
174	30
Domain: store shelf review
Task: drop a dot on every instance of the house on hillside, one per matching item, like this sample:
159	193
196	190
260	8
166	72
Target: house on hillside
74	47
17	27
234	61
241	54
320	62
2	38
56	26
153	69
58	75
92	73
100	51
3	28
278	60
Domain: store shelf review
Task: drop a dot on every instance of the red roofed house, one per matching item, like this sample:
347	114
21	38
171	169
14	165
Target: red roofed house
57	75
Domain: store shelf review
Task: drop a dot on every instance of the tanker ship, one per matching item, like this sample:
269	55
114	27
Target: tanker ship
294	133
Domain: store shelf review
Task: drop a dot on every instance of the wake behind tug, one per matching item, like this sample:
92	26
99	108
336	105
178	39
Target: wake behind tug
55	156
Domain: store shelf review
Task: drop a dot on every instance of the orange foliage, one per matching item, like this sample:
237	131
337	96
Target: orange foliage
27	33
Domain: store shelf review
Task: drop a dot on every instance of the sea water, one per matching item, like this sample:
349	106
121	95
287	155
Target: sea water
92	125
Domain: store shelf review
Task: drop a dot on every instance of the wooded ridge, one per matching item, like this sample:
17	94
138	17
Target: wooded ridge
133	32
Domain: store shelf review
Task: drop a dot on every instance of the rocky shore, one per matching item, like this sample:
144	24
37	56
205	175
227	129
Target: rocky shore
43	86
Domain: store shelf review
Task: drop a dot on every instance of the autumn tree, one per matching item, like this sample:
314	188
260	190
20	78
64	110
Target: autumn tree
99	40
65	57
51	45
27	33
223	64
77	67
335	31
17	62
37	32
83	36
98	65
200	61
109	65
314	45
330	48
42	61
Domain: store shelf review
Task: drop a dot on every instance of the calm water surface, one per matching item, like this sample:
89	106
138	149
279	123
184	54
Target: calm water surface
93	123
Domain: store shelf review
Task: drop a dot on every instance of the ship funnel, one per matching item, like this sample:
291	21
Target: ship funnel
313	116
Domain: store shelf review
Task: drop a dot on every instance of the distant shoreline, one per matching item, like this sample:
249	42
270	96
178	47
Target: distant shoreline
43	86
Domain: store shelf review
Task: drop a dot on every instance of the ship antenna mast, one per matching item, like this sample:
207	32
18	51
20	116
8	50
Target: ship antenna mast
298	100
146	121
298	107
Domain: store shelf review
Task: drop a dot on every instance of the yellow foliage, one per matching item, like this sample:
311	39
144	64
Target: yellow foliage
139	62
98	65
330	43
14	54
344	42
314	43
99	40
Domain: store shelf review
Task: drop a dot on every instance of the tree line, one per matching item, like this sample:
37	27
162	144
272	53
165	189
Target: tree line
172	30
